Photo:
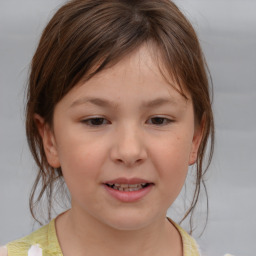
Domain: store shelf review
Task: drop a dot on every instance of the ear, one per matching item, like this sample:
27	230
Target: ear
197	138
48	140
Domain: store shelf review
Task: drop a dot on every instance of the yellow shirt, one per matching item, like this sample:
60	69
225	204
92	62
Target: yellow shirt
44	242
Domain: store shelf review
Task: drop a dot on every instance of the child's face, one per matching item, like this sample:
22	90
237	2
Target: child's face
125	123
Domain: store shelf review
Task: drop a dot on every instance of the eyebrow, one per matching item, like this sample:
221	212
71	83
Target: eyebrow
109	104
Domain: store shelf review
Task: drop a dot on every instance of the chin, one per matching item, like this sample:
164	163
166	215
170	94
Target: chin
129	221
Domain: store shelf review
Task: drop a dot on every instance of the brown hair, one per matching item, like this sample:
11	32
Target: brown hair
84	37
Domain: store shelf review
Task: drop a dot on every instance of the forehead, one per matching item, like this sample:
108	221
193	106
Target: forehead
146	59
136	78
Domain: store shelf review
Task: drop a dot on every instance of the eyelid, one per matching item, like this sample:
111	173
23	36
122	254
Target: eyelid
87	121
167	120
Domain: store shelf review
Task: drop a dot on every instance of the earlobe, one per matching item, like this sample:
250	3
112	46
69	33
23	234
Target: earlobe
48	140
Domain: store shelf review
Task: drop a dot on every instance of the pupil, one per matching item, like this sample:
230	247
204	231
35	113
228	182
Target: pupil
158	120
97	121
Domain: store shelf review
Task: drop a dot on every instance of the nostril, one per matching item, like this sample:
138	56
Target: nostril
129	162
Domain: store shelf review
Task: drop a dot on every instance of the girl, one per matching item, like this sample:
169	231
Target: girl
118	107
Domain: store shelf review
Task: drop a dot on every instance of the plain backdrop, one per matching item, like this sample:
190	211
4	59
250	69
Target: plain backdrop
227	32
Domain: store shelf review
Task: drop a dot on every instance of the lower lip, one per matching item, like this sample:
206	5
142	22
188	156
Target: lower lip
128	196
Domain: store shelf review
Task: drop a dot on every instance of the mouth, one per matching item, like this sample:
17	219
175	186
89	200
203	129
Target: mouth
128	187
128	190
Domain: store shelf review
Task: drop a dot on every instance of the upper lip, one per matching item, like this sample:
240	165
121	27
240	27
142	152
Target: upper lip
123	180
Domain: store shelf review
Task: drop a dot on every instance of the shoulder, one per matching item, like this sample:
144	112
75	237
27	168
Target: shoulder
23	245
190	246
3	251
42	240
34	250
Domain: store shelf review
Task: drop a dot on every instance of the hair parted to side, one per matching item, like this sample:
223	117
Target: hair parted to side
86	36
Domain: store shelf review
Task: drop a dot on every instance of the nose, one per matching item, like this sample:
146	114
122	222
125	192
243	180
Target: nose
128	148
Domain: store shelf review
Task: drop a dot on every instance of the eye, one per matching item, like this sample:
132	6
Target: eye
95	121
158	120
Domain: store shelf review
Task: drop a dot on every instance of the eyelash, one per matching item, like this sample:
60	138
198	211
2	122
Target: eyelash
163	119
90	121
103	121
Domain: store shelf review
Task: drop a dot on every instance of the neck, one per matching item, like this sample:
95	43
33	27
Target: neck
95	238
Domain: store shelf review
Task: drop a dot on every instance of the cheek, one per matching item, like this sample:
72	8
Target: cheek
171	161
80	161
173	152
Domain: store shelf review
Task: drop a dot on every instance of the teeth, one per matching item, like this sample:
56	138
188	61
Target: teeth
127	187
133	185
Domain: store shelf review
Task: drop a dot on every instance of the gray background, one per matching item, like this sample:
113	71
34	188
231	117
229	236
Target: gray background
227	31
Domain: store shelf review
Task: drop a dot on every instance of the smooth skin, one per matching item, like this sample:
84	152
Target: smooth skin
127	121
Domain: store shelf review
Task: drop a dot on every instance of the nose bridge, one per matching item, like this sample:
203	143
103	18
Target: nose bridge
129	147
